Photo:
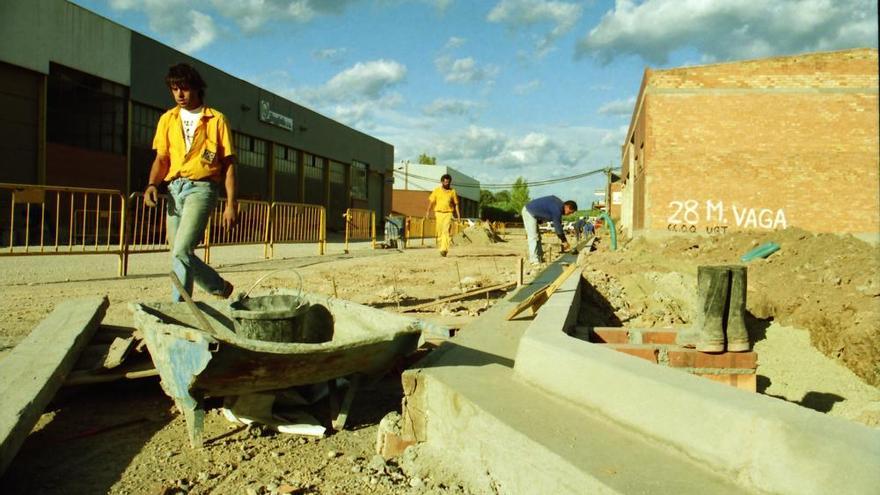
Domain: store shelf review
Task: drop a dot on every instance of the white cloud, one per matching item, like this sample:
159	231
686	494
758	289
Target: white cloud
454	42
203	33
464	70
330	54
364	80
517	14
252	15
527	87
449	106
187	30
618	107
732	29
615	137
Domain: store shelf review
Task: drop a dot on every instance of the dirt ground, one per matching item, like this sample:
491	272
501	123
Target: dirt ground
817	292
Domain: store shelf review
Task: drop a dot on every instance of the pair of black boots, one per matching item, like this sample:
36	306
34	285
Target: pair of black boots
721	305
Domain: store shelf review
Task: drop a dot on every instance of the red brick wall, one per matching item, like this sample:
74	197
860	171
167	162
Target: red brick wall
410	203
765	144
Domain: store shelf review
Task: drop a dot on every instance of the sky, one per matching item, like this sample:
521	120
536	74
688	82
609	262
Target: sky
497	89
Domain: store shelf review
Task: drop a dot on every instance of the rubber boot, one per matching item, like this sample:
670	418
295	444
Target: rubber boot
714	302
737	334
689	337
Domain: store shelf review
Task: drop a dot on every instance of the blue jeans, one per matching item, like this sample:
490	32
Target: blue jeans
189	206
536	253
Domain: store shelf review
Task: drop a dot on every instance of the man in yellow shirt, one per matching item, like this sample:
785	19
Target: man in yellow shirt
444	200
194	154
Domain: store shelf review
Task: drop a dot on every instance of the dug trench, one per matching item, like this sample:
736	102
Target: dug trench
812	310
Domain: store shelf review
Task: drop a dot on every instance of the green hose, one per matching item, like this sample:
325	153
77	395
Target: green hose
611	229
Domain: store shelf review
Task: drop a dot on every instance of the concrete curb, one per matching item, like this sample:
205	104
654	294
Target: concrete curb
756	441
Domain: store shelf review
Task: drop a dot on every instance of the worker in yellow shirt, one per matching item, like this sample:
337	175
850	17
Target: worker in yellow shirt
444	202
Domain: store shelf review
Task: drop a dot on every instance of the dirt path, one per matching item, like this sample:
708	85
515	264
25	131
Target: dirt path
126	438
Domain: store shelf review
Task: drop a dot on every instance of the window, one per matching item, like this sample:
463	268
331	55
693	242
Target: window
359	180
313	173
144	120
285	160
250	151
86	111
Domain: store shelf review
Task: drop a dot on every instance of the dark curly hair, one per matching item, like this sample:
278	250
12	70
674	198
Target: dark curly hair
185	76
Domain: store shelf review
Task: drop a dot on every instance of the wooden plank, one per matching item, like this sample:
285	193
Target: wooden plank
116	354
456	297
541	296
32	373
144	369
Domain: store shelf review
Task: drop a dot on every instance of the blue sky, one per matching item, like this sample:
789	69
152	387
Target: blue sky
498	88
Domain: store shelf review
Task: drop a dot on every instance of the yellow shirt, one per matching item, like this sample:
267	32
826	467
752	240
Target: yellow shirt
211	142
445	200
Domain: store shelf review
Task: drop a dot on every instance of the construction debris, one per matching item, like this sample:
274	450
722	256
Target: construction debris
32	373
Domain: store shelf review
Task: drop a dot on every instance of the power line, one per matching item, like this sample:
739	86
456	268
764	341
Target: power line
535	183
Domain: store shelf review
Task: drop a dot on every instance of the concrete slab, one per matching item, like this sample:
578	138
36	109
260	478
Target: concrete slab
32	373
761	443
503	435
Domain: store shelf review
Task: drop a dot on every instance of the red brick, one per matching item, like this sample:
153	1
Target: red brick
605	335
721	124
659	337
647	353
743	382
392	445
690	358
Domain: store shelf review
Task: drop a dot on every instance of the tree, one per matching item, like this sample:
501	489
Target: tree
502	199
519	194
424	159
486	198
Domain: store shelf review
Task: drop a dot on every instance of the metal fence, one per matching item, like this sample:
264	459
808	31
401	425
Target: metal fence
420	228
37	220
46	220
252	226
297	222
360	225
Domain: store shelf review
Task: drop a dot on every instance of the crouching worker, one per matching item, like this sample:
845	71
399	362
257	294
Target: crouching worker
547	208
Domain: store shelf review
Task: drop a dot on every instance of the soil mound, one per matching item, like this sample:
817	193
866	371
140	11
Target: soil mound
478	235
825	283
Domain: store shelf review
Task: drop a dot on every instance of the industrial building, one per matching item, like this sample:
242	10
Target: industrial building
413	184
755	145
83	95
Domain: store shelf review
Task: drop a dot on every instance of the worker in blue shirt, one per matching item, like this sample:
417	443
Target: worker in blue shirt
548	208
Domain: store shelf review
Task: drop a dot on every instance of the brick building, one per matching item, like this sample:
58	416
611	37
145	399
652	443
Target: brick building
414	183
757	144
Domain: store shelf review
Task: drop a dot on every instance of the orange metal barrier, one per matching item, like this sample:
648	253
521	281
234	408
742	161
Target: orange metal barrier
420	227
47	220
252	226
360	225
61	220
297	222
146	225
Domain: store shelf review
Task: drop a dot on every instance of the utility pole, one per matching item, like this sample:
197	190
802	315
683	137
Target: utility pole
608	190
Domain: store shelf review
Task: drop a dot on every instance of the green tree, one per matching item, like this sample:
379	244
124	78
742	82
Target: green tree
502	199
519	194
486	198
424	159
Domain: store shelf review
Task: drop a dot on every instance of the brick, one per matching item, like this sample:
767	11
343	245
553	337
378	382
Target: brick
648	353
390	445
605	335
691	358
747	382
659	337
756	124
